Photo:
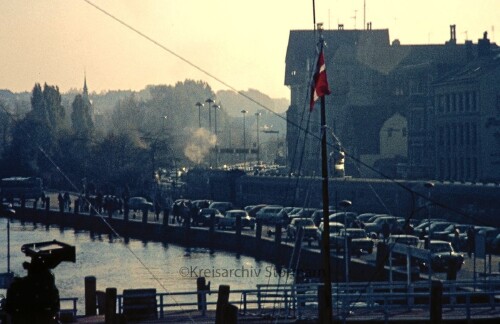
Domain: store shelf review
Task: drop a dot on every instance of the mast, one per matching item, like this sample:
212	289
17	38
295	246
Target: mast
326	317
319	90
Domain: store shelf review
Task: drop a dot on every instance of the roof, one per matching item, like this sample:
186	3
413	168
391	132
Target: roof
369	48
473	70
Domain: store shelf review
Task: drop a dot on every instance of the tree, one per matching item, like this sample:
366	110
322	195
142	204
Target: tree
81	118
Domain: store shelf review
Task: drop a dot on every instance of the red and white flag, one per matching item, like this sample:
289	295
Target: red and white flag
319	86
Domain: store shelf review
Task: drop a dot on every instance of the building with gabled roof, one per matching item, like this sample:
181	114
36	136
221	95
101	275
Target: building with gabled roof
371	80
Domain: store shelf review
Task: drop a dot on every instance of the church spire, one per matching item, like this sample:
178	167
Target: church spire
85	90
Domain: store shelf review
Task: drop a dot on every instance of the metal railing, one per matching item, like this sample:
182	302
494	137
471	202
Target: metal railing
72	301
301	300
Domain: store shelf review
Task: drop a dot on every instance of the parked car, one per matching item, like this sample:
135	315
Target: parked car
495	245
201	203
442	256
309	229
139	203
489	235
359	240
376	226
269	214
203	216
222	206
403	239
443	234
317	216
334	227
365	217
253	211
346	218
229	219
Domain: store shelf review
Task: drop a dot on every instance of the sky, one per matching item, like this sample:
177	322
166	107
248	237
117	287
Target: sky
241	43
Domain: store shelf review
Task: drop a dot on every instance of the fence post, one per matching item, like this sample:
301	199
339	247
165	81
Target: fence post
223	310
90	296
436	302
110	313
145	216
201	288
161	306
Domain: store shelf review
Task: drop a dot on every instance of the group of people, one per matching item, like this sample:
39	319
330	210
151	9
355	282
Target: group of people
64	201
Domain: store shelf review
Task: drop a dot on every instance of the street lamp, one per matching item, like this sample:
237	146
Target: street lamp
209	101
199	105
429	185
244	112
257	114
344	204
215	107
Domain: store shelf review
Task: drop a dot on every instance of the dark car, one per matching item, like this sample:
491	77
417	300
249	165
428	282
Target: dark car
222	206
139	203
346	218
307	225
229	219
203	216
442	256
317	216
359	240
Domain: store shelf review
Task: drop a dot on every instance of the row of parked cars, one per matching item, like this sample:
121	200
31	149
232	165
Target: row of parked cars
360	229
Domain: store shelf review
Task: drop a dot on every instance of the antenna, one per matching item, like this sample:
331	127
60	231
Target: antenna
314	14
364	14
355	17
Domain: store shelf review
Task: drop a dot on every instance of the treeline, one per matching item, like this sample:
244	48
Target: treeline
68	144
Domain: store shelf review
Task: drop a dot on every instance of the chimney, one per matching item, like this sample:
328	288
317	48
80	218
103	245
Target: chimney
341	26
483	46
369	26
453	34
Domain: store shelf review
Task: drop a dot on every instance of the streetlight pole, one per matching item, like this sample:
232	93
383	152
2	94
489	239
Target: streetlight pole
344	204
244	112
257	114
199	105
209	101
215	107
429	185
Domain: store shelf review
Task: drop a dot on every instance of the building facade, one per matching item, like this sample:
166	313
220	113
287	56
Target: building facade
372	81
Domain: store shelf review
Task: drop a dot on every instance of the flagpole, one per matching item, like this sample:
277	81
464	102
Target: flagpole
328	312
320	88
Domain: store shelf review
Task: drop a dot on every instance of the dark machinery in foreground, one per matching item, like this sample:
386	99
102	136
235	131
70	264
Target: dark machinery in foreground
34	299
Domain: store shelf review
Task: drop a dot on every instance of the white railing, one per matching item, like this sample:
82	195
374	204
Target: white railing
301	300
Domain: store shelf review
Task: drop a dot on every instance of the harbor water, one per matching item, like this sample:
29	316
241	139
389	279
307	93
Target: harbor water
133	264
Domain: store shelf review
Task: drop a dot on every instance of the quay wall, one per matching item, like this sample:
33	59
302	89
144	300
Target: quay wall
264	248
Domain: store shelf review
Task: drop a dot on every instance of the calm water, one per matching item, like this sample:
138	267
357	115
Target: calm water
133	264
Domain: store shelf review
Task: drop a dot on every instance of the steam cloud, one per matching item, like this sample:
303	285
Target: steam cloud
199	145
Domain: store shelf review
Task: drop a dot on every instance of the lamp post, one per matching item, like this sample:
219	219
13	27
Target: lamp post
429	185
215	107
209	101
344	204
257	114
244	112
199	105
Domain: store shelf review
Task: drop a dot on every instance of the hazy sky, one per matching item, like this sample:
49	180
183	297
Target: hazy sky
242	43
